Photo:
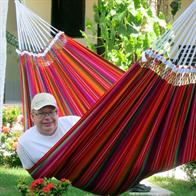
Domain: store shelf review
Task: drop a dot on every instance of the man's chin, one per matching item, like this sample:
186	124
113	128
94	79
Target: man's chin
49	130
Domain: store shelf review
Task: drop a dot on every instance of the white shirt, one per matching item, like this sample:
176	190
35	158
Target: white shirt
33	145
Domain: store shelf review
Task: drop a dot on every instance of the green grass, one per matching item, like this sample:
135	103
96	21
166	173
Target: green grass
178	187
9	178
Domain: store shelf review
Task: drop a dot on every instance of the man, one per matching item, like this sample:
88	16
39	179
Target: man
47	130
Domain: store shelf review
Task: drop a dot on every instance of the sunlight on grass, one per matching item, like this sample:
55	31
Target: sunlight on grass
14	171
9	178
179	187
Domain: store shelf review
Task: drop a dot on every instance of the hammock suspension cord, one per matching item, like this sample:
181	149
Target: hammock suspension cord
33	32
179	43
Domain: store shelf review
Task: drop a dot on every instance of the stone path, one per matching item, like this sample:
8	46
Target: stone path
177	173
155	190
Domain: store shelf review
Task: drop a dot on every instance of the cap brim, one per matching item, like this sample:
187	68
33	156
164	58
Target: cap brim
43	105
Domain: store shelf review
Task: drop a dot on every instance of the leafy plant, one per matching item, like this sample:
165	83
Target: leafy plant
10	114
43	187
190	169
125	29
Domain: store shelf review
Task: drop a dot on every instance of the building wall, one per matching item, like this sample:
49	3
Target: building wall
41	7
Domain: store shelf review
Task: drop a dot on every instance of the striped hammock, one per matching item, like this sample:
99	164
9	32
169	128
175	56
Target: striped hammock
76	76
134	124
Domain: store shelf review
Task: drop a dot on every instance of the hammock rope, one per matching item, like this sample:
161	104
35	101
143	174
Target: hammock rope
34	33
133	123
179	42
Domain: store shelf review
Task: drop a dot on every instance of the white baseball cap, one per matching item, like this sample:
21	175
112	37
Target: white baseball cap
41	100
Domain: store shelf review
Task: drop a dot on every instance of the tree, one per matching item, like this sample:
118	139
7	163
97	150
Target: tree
125	29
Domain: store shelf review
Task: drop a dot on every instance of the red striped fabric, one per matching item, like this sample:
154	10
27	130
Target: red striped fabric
135	125
76	76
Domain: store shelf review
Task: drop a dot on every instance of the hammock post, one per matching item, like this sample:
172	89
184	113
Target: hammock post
3	20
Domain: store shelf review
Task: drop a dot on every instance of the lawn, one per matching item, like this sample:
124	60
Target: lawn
10	176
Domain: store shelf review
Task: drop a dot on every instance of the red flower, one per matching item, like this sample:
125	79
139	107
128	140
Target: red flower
51	185
36	183
14	145
65	180
46	189
5	129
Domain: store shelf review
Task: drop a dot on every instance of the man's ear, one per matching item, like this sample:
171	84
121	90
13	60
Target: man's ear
32	117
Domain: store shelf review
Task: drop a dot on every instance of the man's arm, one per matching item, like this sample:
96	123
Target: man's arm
25	159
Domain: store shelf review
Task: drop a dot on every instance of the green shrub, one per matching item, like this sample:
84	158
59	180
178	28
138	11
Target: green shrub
126	29
10	115
190	170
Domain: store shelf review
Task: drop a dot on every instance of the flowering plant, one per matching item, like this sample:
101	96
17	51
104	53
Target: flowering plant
44	187
9	134
8	143
10	115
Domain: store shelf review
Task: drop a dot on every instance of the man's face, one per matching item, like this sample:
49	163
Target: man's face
46	119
